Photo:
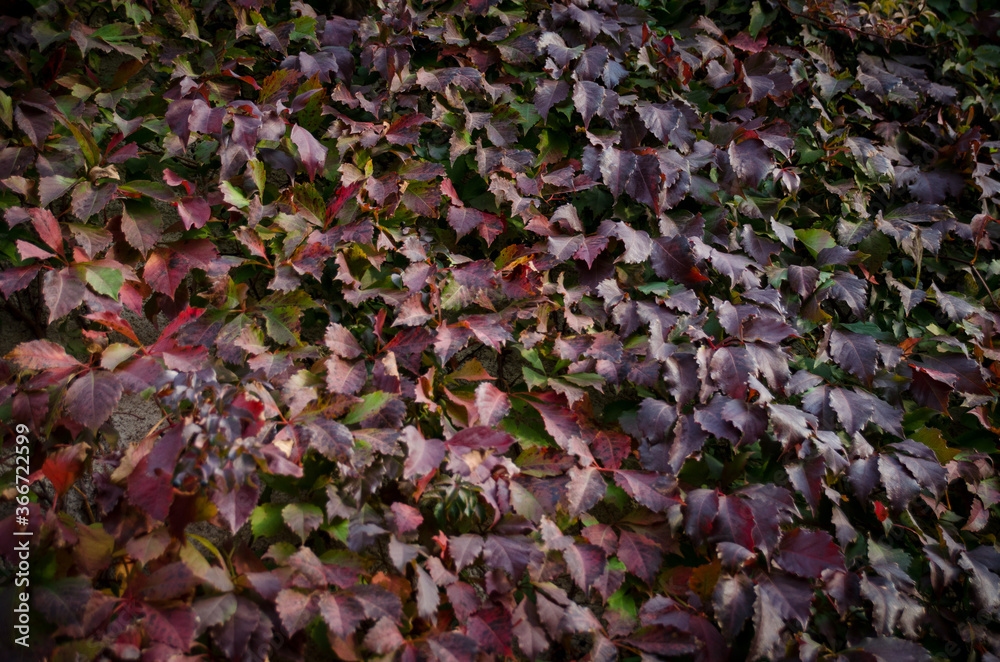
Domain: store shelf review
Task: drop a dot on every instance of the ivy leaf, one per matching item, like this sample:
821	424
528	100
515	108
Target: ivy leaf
733	600
331	439
667	123
641	555
92	397
734	522
586	564
105	280
731	368
751	161
16	279
63	467
141	225
341	612
651	489
63	291
588	97
194	212
424	456
808	553
548	93
453	647
780	599
342	342
296	609
855	353
41	355
586	487
302	518
491	403
465	549
312	153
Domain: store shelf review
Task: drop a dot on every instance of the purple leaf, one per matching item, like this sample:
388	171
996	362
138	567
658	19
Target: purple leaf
808	553
751	161
63	291
588	97
701	508
855	353
548	93
731	368
586	564
92	397
311	152
653	490
341	612
586	487
641	555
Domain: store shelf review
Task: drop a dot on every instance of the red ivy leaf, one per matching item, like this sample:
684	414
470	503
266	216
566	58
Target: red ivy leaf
808	553
64	466
641	555
92	397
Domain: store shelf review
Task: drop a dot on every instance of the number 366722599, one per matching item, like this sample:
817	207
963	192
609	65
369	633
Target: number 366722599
22	469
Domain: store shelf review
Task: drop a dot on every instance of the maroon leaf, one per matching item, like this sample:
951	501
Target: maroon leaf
465	549
588	97
312	153
173	627
731	368
341	612
641	555
808	553
491	629
655	491
384	637
734	522
63	291
855	353
548	93
780	599
733	601
16	279
341	342
194	212
586	487
511	554
235	505
667	123
616	169
345	377
453	647
92	397
141	225
586	564
702	507
465	219
751	161
331	439
480	438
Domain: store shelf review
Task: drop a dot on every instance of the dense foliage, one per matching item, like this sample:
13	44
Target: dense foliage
506	328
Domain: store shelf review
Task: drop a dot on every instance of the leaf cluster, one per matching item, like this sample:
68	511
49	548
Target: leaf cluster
506	329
